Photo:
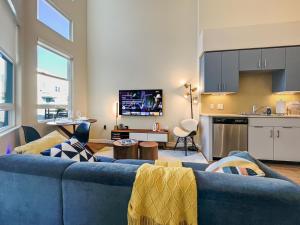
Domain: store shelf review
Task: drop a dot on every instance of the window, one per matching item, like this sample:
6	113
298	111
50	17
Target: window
54	19
6	93
53	84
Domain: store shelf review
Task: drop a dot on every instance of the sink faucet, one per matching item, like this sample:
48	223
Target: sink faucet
255	109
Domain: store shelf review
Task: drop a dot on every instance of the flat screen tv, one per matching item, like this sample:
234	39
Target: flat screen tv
141	102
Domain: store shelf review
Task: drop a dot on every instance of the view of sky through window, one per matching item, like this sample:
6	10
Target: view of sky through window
52	63
54	19
53	82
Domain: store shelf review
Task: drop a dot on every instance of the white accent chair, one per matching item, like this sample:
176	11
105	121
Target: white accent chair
187	130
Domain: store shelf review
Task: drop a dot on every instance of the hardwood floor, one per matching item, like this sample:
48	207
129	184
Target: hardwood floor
95	147
288	170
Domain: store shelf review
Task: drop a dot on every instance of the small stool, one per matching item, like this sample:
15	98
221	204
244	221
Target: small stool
125	151
148	150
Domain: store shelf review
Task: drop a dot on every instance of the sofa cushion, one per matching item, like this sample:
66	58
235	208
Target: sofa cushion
36	147
267	170
31	190
70	149
235	165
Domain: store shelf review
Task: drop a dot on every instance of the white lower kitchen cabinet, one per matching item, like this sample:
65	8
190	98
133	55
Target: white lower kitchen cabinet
287	143
274	139
261	142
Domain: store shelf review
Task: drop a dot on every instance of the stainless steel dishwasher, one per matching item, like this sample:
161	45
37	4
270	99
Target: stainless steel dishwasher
229	134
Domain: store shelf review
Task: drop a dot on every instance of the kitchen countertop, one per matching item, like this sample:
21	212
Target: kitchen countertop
249	116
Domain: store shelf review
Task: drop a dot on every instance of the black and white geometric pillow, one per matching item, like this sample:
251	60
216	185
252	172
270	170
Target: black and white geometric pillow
71	149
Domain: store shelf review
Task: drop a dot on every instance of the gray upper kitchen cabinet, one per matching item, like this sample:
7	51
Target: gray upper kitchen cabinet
273	59
262	59
230	71
288	79
211	71
292	69
220	71
250	59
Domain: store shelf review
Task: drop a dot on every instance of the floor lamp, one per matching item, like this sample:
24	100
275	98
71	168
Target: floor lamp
190	91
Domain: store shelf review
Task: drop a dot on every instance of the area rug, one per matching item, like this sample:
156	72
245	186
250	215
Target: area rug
167	155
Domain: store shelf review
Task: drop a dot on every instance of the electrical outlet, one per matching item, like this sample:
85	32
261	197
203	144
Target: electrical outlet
220	106
212	106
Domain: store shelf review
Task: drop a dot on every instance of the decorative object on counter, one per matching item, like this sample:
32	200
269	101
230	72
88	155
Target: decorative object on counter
156	127
293	108
190	94
281	107
269	111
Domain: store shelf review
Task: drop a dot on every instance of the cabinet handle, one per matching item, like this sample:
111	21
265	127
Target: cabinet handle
224	86
287	127
258	126
271	133
278	133
265	63
219	86
259	63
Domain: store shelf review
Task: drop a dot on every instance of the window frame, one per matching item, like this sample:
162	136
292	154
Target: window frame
52	4
10	107
69	79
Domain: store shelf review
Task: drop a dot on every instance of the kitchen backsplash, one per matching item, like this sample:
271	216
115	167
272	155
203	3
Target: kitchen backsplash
255	89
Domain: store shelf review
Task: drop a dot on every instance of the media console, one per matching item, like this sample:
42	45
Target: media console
161	136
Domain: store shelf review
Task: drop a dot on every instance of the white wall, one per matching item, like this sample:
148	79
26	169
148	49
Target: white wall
235	24
237	13
137	44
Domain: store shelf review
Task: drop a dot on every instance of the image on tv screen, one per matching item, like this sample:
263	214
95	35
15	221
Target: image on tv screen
140	103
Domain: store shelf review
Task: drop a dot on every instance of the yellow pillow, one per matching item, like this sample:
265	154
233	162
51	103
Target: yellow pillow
36	147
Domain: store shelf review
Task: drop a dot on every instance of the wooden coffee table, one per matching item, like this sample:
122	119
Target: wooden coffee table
148	150
128	151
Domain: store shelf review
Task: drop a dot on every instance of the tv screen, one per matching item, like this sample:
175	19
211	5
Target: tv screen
140	102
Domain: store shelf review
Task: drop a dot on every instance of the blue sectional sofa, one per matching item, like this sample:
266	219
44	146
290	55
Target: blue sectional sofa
38	190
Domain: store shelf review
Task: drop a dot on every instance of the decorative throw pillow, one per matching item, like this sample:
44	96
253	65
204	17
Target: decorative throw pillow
71	149
36	147
235	165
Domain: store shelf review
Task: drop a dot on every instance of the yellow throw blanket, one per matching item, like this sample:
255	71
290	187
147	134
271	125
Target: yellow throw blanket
163	194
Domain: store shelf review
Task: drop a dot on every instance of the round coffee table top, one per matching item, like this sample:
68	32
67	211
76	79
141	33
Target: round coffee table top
125	142
148	144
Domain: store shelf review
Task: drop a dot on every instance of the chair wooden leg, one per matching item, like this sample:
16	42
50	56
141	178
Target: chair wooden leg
176	143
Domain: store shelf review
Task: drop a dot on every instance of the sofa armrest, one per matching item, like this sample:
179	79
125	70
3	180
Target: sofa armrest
233	199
